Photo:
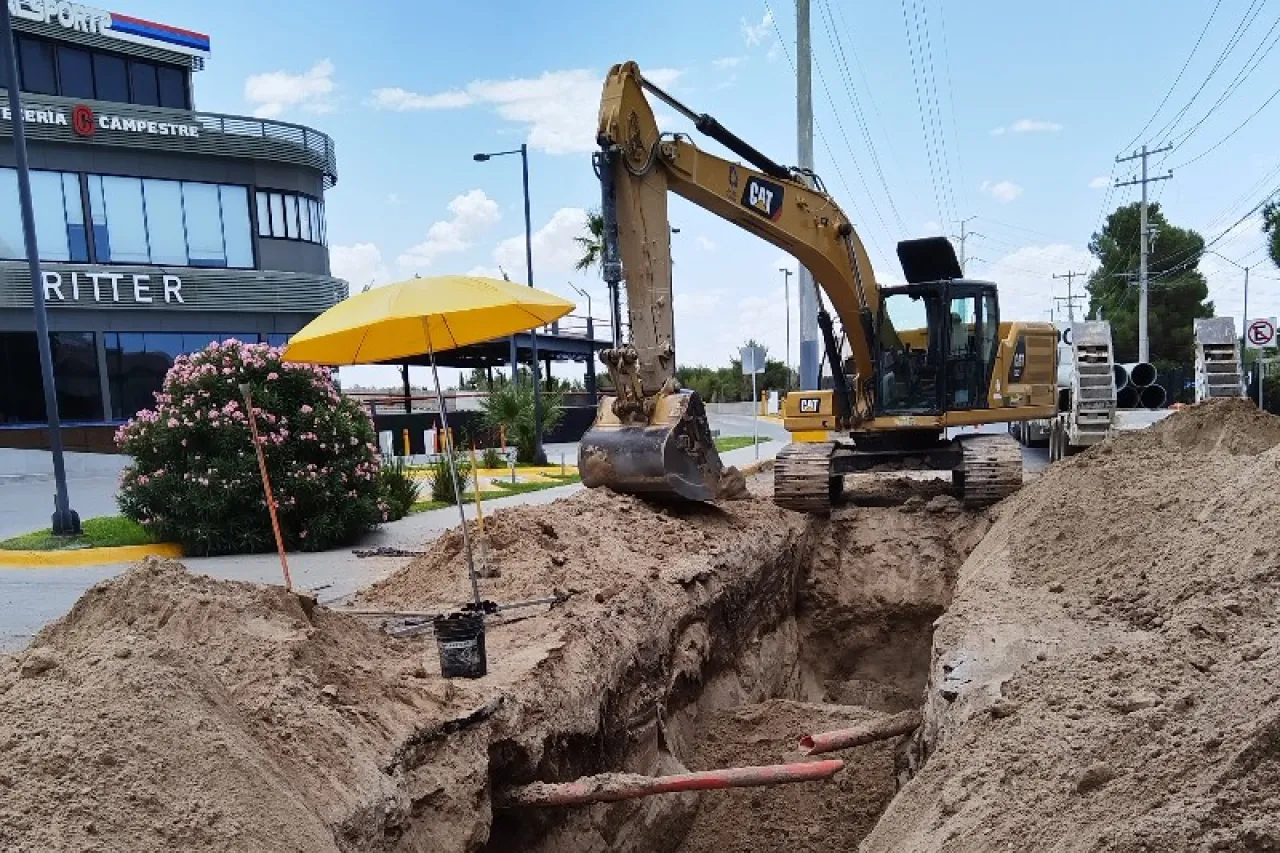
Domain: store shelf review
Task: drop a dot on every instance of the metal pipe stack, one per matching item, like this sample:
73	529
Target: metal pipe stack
1136	386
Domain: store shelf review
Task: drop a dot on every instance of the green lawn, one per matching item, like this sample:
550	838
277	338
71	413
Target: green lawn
105	532
726	443
558	480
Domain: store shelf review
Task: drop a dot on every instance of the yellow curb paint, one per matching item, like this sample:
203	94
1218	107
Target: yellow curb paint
86	556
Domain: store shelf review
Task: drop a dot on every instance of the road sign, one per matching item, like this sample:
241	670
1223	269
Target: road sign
752	360
1260	333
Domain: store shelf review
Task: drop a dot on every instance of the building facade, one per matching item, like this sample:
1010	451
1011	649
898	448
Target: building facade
160	228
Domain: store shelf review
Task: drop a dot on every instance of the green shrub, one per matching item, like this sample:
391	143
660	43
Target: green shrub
492	458
442	479
510	407
399	489
194	478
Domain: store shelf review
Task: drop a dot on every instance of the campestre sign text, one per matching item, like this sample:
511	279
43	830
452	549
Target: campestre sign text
85	122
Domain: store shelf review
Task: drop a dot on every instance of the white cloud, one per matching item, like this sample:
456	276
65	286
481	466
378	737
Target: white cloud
272	93
472	214
775	50
1100	182
1027	125
485	272
754	34
554	247
359	264
727	62
393	199
1002	191
694	303
706	244
558	108
932	227
402	100
1025	278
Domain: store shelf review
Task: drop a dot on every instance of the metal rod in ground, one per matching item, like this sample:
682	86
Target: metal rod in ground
898	724
612	787
453	472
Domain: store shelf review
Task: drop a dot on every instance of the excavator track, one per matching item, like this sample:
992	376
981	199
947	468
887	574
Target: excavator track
802	478
990	470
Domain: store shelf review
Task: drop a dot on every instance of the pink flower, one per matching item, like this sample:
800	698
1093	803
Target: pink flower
306	410
271	377
173	422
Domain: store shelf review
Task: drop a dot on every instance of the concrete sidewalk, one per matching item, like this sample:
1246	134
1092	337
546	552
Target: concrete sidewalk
29	598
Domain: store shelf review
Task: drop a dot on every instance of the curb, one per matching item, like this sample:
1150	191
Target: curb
86	556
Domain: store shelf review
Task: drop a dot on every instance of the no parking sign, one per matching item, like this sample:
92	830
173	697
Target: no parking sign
1260	333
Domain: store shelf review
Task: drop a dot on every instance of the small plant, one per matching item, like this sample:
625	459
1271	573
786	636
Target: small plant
510	407
442	487
400	490
492	459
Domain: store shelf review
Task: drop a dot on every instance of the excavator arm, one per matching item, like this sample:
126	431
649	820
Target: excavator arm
652	436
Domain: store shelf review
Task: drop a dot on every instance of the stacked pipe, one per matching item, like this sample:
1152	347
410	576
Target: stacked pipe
1136	386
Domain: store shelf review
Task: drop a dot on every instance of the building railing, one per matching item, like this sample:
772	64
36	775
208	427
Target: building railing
218	133
576	326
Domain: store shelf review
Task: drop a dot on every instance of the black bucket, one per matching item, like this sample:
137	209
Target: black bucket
460	639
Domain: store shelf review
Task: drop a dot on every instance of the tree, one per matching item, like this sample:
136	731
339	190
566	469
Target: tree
591	242
728	384
1177	292
510	407
1271	227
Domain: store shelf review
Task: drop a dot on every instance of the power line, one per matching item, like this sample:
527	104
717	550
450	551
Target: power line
833	34
920	108
1071	298
1246	21
931	91
1177	79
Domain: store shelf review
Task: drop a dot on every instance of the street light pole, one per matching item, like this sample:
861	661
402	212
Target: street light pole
523	151
65	521
591	337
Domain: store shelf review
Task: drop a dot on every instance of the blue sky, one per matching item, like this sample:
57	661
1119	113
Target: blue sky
1025	108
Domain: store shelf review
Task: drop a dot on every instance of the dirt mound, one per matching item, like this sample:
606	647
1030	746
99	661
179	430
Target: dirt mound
1106	674
171	711
1232	426
591	542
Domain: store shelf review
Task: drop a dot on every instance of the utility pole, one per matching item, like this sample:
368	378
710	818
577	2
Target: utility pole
963	236
809	378
786	298
1071	298
1144	242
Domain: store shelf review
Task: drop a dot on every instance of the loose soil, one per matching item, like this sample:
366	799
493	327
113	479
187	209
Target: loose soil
1106	677
1096	659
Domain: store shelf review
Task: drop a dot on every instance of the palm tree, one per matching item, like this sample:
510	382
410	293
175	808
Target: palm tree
592	242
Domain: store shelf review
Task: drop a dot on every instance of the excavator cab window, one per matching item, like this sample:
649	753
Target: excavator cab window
937	346
910	358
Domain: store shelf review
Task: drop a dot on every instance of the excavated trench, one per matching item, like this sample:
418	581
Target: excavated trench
833	633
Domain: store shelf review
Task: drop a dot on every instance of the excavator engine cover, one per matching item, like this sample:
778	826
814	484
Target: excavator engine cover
674	454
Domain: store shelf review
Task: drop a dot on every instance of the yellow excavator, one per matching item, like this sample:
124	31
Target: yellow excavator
928	359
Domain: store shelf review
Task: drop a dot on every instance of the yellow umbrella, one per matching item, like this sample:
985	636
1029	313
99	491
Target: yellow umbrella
425	315
422	315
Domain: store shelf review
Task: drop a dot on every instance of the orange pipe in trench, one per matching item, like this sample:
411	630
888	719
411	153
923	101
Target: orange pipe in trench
611	787
898	724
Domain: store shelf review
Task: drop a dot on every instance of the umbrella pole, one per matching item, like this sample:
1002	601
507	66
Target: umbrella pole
453	470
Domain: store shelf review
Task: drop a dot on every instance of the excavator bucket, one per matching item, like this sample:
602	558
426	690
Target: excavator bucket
674	454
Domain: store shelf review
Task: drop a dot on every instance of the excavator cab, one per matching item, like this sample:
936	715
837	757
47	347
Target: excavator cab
937	337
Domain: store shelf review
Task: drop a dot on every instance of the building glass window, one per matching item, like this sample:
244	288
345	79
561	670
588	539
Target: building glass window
75	377
75	72
304	216
153	221
277	215
235	225
122	236
292	216
172	87
264	215
59	217
205	246
142	80
165	233
39	74
111	78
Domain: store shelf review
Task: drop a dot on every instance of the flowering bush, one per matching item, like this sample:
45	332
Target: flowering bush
195	480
